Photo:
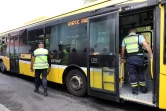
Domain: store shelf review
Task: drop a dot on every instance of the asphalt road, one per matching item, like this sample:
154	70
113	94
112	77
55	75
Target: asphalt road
16	93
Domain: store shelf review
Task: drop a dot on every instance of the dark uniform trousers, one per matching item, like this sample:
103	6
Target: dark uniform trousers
135	66
38	72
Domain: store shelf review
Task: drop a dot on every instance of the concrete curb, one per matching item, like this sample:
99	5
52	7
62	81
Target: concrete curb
3	108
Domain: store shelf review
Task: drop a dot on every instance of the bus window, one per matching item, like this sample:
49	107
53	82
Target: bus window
33	37
103	41
147	32
23	46
74	38
51	40
0	45
3	45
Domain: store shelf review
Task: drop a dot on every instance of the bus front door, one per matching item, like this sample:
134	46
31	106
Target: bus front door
103	64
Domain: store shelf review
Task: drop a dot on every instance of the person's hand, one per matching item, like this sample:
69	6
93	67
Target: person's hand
151	56
48	70
32	69
122	60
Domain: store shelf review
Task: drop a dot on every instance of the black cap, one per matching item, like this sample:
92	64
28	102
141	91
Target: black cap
131	27
40	42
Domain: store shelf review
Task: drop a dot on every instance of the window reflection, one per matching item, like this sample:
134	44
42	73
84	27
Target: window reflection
34	37
102	35
51	40
74	37
3	45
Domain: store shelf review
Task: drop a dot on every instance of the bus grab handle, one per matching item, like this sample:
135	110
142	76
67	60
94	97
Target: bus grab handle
151	67
121	73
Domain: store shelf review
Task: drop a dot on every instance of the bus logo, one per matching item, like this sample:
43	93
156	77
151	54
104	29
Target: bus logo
55	60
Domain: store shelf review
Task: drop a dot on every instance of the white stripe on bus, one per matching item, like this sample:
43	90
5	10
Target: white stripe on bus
53	65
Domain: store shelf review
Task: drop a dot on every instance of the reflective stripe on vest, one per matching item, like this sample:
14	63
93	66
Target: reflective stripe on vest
41	61
131	43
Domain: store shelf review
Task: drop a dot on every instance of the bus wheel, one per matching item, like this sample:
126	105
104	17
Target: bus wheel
76	83
2	67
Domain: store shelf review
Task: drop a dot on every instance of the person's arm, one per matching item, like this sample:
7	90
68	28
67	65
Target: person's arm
32	62
146	45
123	52
49	60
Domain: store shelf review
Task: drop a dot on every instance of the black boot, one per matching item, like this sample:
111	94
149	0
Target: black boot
143	89
135	90
45	92
36	90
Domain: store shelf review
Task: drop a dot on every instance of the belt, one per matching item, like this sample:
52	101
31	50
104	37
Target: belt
134	55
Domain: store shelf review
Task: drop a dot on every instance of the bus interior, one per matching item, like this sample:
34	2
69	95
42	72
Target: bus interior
143	22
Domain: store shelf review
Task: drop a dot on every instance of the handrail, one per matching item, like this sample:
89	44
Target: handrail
151	67
121	74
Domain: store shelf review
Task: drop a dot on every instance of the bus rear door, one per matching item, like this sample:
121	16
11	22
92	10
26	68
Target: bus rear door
103	56
13	50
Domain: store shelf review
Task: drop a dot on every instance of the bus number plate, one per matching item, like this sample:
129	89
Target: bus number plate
93	60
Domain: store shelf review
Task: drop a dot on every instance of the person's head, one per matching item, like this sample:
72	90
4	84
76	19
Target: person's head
60	47
40	45
132	29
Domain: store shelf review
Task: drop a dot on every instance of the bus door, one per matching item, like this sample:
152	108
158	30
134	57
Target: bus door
103	62
13	51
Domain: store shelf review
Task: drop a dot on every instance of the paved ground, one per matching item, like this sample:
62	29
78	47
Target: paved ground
16	93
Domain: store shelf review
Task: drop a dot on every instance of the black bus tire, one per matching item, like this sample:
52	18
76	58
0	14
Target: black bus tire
76	83
2	67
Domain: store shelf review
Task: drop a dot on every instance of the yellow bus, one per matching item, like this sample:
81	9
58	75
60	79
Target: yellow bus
85	49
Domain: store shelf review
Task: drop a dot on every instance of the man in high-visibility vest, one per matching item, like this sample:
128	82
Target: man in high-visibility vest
133	44
40	62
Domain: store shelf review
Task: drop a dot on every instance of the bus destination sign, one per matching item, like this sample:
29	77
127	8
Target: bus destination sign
135	7
77	22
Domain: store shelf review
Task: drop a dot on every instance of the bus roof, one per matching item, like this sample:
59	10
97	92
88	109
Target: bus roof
89	7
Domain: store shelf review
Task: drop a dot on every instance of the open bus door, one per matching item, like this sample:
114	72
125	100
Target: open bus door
13	51
103	56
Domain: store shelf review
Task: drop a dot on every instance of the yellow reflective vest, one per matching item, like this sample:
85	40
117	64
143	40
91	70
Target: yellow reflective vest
132	44
41	61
